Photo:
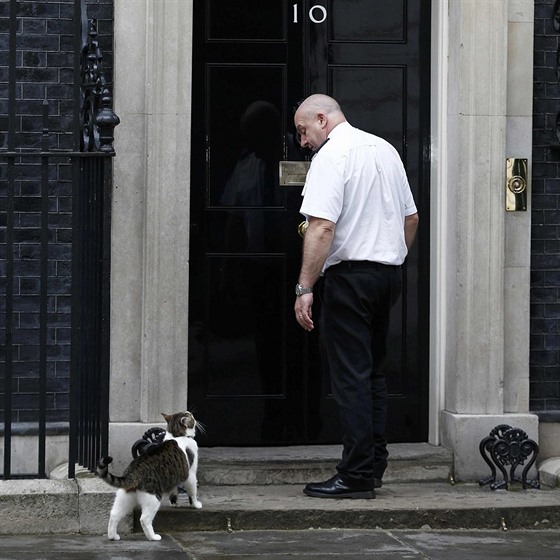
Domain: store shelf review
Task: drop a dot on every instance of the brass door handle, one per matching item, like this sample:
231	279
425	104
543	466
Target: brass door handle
302	228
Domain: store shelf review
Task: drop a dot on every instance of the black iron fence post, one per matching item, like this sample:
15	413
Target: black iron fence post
91	253
43	325
8	350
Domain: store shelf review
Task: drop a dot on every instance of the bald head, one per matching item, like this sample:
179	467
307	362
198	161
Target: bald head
316	117
320	103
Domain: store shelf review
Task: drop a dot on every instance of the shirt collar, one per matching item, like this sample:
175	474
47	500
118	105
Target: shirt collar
320	146
338	129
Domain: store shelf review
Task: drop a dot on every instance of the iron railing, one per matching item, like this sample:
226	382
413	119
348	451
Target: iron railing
91	164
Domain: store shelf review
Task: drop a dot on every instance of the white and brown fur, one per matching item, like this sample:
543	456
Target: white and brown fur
149	477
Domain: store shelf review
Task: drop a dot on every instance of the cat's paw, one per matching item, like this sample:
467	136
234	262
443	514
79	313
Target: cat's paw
196	504
114	537
156	537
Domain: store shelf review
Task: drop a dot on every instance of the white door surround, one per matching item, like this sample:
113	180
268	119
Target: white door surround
480	255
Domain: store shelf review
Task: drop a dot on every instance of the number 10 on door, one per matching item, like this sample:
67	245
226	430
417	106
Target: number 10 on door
317	14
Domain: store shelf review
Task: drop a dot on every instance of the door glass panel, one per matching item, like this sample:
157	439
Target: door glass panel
245	325
245	135
247	20
354	88
368	20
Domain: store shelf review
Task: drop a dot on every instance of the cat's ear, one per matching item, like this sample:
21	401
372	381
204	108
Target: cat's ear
166	416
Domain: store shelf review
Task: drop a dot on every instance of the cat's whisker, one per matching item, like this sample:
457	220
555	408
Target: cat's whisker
200	427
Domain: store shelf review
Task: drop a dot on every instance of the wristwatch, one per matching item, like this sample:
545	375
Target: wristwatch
300	290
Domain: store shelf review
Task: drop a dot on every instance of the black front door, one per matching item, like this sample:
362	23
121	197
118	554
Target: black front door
255	378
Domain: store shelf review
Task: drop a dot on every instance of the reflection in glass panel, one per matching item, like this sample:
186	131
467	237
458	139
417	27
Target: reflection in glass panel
250	230
245	135
245	326
246	20
356	87
368	20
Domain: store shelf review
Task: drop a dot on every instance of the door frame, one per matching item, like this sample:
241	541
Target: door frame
439	217
134	295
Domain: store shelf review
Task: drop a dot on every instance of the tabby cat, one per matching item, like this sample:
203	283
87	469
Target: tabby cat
149	477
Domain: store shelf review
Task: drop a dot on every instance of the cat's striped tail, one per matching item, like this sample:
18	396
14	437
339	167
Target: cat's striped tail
103	472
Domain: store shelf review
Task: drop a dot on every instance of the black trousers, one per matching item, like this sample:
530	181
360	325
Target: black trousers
357	298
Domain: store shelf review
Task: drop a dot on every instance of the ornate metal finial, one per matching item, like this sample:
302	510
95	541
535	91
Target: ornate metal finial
98	118
106	120
151	439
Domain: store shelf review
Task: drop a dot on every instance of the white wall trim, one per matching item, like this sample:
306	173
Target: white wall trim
151	205
438	216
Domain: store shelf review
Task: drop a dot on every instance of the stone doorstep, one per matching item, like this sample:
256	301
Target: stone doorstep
301	464
398	506
255	488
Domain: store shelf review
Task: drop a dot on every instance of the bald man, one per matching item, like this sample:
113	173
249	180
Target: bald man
362	220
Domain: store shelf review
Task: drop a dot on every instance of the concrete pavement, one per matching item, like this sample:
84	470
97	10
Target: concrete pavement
335	544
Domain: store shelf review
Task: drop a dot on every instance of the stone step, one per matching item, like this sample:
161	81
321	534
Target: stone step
418	505
233	466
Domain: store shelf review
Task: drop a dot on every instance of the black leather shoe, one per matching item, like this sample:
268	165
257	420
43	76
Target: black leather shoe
335	487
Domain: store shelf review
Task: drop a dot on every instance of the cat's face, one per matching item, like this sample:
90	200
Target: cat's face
180	424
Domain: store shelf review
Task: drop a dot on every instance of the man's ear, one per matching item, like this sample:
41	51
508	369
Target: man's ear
322	118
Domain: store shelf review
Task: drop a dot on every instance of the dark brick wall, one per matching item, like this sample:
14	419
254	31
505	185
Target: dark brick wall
545	246
44	61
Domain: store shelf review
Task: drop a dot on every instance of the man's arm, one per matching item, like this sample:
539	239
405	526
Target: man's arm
410	227
317	242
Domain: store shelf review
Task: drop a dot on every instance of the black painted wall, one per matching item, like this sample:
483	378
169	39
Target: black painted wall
44	61
545	245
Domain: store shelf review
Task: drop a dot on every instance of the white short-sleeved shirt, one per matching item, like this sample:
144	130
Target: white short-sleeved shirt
357	180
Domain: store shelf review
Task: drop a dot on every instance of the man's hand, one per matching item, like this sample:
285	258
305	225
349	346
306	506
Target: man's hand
303	311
